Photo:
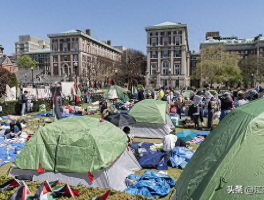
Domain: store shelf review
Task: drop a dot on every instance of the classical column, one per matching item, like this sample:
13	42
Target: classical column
183	60
159	59
71	65
51	65
171	60
58	47
59	65
148	61
158	38
71	42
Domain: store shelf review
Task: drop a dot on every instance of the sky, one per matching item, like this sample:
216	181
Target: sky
124	21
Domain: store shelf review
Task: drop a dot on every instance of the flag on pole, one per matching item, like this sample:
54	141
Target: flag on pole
79	93
104	197
73	94
65	191
44	192
8	184
22	193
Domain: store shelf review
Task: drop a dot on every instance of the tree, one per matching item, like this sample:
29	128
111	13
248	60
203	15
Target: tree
216	65
252	65
4	79
14	81
26	62
132	65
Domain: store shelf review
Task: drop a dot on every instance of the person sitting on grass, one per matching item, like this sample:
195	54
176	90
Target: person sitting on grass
15	128
129	137
169	143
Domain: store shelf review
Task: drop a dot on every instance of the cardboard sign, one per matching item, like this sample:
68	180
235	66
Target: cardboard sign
43	93
10	93
66	88
31	92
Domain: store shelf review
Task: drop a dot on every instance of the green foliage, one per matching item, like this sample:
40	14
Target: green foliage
5	77
14	81
139	86
26	62
216	65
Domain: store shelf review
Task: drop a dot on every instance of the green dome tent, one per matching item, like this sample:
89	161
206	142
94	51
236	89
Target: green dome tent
152	119
116	92
150	111
73	147
230	157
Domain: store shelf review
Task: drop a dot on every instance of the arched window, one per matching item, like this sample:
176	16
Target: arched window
165	68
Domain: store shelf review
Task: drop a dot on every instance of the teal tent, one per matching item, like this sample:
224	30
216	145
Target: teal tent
229	160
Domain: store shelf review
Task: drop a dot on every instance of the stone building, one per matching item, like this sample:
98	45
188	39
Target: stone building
28	43
168	56
76	54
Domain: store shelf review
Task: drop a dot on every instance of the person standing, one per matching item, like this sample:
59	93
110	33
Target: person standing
197	109
141	94
180	104
211	106
23	102
161	92
227	105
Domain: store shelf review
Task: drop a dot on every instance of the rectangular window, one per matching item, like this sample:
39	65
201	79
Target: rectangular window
153	69
55	58
242	52
260	50
165	54
251	52
55	47
65	47
246	52
178	53
165	42
177	41
154	54
176	69
75	57
154	41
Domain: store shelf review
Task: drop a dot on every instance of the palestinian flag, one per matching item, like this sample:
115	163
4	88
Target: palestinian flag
79	93
8	184
22	193
65	191
54	183
44	192
104	197
73	93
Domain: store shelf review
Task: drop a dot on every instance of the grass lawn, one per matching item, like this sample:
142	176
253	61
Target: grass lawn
34	122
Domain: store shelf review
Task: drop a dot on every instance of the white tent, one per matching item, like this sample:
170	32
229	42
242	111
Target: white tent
113	177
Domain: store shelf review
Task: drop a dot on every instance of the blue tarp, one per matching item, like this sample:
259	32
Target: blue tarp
187	135
152	184
181	156
3	151
49	114
150	159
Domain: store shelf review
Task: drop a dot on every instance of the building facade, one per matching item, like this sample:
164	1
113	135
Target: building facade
244	47
168	56
42	57
74	53
28	43
6	63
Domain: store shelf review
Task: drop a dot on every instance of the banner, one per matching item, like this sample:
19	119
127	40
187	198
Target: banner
31	92
10	93
43	93
66	88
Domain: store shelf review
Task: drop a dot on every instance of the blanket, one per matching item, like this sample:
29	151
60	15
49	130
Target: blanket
16	147
181	156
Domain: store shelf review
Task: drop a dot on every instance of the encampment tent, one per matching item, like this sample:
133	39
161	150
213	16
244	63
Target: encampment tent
116	92
229	163
71	148
152	119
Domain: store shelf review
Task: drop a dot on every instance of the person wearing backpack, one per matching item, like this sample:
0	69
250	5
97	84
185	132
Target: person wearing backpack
23	100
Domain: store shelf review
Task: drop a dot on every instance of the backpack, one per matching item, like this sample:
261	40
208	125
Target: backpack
20	99
165	97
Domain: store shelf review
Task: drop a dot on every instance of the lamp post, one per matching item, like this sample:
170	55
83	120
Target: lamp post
178	82
32	77
170	76
75	66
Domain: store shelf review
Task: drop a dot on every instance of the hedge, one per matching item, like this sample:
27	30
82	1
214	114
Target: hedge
14	108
